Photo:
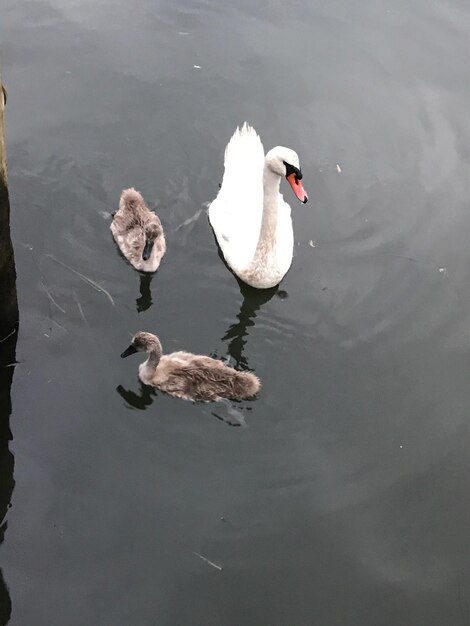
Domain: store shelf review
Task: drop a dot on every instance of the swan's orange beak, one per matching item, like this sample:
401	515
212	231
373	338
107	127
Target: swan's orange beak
297	188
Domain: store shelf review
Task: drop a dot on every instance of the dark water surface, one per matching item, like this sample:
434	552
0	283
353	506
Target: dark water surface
346	497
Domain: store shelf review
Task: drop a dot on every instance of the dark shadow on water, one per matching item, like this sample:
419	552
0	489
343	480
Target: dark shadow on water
8	337
224	410
140	400
237	333
145	301
237	336
5	602
253	300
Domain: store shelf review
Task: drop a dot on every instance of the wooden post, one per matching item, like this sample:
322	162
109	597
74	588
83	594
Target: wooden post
3	150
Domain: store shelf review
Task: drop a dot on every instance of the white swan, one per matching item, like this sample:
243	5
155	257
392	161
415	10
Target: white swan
251	220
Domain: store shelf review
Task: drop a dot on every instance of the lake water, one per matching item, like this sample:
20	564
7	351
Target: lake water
339	497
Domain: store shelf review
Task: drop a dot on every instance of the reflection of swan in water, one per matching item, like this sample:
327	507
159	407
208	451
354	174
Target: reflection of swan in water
145	301
222	410
253	300
236	335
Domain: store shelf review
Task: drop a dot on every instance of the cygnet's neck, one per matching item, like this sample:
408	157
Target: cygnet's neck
154	356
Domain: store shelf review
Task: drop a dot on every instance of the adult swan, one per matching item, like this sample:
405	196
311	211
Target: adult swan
250	218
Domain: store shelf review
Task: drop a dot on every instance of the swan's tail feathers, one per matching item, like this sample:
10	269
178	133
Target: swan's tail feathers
246	385
244	145
242	184
131	200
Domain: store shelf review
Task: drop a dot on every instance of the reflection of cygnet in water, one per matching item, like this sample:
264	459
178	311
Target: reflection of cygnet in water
139	401
190	376
226	412
138	232
223	409
144	302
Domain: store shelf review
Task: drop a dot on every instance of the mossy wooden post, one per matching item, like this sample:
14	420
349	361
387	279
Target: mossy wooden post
8	300
3	150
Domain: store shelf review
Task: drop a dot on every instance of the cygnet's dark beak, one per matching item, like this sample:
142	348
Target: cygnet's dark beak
128	351
147	251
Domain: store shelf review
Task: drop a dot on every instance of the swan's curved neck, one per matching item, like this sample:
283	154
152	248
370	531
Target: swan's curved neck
267	234
155	354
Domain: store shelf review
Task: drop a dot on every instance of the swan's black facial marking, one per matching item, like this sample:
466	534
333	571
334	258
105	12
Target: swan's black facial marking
291	169
294	176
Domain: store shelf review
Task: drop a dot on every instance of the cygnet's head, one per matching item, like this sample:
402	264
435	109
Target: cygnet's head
285	162
142	342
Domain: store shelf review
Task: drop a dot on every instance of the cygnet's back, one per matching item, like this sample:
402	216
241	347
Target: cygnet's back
138	232
198	377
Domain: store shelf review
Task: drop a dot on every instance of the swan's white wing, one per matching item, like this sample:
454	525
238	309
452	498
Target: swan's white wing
235	215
